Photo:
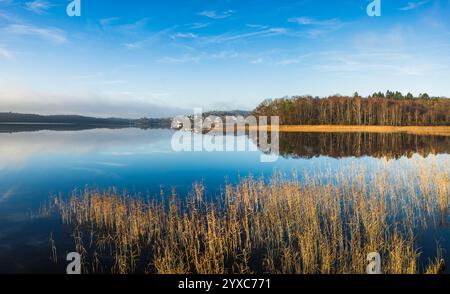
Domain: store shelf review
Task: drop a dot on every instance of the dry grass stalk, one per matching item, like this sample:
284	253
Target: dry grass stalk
326	225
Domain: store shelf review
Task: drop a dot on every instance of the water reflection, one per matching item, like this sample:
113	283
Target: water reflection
378	145
21	127
36	163
18	148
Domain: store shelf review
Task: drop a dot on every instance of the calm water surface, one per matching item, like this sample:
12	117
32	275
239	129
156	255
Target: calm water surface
37	164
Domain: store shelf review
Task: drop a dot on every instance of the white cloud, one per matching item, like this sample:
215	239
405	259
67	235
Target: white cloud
256	26
17	97
108	21
111	82
6	54
132	46
37	6
216	15
198	25
17	150
117	25
51	34
289	61
257	61
244	35
413	5
306	21
184	36
182	59
203	56
144	41
8	17
133	27
5	1
381	61
315	27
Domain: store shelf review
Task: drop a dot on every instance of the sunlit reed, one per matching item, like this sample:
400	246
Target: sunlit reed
317	224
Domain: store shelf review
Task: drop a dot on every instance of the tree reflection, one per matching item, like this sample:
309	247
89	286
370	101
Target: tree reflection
338	145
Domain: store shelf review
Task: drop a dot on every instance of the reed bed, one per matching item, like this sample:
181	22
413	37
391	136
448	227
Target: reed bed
415	130
323	224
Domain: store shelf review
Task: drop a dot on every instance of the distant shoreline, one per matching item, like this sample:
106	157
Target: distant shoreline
37	124
11	128
78	121
56	124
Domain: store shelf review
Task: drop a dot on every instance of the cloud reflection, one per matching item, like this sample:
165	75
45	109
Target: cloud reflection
17	149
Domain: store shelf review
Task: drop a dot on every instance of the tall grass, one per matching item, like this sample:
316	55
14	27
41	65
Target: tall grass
325	225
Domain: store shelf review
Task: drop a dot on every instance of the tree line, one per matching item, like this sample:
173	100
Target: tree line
390	109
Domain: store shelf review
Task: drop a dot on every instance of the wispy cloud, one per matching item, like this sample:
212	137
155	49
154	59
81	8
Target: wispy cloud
257	61
109	20
6	1
8	17
6	54
215	14
117	25
136	29
111	82
134	45
184	36
227	37
317	27
146	39
181	59
198	25
38	6
50	34
381	61
289	61
307	21
413	5
202	56
137	25
256	26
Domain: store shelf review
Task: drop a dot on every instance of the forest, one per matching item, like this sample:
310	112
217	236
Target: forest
17	122
386	109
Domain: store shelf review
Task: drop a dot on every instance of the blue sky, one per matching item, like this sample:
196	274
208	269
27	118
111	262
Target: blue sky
157	58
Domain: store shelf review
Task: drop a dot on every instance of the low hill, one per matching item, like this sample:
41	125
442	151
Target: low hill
16	118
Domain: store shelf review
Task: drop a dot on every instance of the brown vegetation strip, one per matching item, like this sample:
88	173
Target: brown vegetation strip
416	130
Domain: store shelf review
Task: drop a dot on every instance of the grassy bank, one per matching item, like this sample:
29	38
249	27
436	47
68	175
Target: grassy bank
321	224
416	130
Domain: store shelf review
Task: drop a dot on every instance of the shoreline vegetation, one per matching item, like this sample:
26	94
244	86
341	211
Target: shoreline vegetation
414	130
379	109
319	224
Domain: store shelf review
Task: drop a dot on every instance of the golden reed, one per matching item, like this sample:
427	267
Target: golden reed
323	224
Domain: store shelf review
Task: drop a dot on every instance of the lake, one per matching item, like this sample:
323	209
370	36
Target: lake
36	163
